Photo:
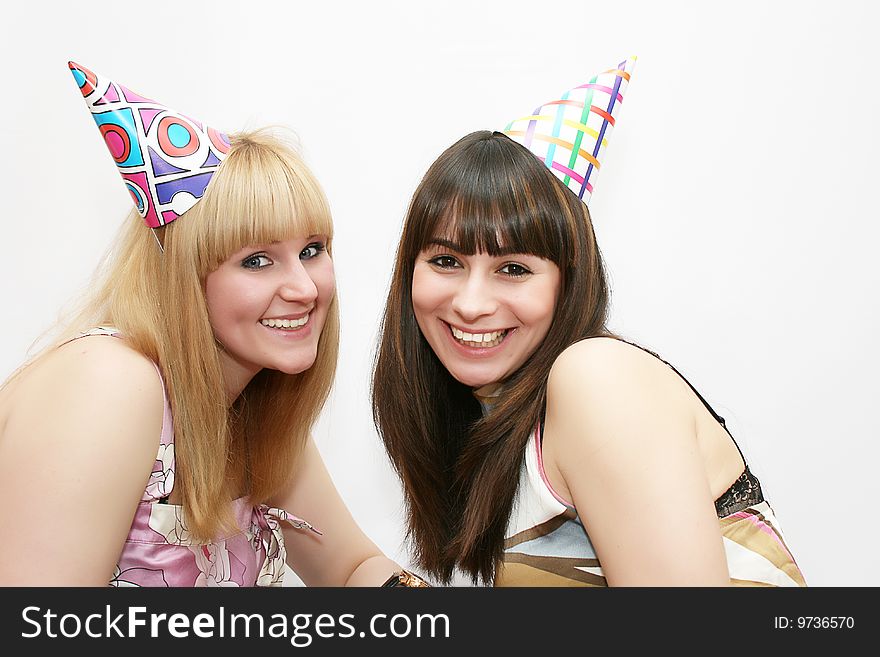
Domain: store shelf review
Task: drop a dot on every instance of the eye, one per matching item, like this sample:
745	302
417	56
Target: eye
313	250
256	261
515	270
444	262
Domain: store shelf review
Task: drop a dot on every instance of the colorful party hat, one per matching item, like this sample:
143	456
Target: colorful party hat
570	134
166	158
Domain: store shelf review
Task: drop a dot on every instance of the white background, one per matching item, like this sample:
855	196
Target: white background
734	206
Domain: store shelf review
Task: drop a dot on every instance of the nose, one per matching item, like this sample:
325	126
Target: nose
296	285
474	298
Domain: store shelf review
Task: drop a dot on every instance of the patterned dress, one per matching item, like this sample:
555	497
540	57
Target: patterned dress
159	550
546	543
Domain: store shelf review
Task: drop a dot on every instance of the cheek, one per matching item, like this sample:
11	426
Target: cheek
229	297
538	307
427	291
550	296
215	294
324	278
546	309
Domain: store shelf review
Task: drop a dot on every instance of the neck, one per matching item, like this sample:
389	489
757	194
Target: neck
487	395
488	390
236	376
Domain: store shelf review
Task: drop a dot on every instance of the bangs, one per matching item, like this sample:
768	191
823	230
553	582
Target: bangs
262	193
492	228
493	197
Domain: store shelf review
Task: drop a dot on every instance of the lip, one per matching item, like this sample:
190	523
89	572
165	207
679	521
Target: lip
476	352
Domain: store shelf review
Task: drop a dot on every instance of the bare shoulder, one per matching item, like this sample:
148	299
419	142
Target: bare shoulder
96	380
605	387
101	351
620	442
604	364
80	438
101	361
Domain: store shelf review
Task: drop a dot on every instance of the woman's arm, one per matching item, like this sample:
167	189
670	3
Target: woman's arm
76	451
621	432
342	555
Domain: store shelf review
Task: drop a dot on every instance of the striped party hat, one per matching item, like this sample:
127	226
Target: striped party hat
166	158
570	134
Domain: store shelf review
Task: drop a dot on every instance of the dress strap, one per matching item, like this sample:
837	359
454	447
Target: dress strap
269	521
98	330
706	404
743	493
272	512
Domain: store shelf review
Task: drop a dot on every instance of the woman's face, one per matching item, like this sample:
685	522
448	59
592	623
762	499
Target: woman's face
483	315
267	305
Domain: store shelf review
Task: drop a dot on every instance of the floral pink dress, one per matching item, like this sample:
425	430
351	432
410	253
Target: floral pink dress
159	550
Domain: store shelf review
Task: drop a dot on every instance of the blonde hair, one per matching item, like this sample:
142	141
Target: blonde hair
263	192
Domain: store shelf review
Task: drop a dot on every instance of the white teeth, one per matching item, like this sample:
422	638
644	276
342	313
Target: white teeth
478	339
285	323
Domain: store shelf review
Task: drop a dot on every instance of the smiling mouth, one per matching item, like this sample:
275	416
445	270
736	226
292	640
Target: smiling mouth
286	324
478	340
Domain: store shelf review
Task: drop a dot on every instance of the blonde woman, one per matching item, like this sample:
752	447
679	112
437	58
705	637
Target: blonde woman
163	438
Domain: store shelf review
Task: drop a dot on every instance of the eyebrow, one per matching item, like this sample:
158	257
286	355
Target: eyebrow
503	251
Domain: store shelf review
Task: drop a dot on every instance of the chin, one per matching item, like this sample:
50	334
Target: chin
297	366
474	379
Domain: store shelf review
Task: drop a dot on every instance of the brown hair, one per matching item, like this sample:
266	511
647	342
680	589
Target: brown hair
460	469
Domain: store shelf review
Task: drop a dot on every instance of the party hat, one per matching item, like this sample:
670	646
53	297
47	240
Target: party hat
165	158
570	134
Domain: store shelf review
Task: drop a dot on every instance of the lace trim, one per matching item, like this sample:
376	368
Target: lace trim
743	493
